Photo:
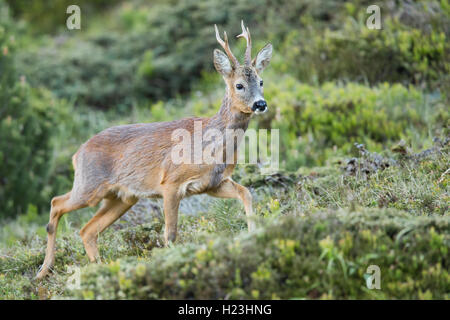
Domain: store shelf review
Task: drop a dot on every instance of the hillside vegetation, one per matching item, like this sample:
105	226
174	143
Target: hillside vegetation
364	149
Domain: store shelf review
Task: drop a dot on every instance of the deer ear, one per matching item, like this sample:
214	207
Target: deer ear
222	63
263	58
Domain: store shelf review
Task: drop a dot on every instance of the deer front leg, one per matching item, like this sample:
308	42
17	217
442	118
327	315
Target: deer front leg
230	189
171	204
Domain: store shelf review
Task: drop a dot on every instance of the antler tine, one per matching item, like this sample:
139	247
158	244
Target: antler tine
226	46
246	35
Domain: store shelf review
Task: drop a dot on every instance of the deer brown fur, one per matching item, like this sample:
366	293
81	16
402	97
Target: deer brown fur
124	163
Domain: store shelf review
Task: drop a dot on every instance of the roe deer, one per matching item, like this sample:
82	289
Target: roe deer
124	163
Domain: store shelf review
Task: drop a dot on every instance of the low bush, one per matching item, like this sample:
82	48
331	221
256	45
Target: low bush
54	12
316	122
324	255
29	120
412	47
162	50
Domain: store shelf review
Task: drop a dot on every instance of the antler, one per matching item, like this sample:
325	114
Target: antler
248	51
226	46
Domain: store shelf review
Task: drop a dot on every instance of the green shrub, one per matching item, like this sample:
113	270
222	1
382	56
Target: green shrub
317	123
411	47
29	120
324	255
160	50
152	51
7	46
94	73
54	12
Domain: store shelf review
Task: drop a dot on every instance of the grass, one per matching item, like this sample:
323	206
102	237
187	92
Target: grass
324	255
320	229
339	209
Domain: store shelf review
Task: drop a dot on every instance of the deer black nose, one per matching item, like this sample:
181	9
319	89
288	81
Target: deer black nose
260	105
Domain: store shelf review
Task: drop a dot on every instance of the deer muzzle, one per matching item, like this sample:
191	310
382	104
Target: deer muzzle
259	106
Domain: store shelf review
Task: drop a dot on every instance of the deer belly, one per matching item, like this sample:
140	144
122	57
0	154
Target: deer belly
129	193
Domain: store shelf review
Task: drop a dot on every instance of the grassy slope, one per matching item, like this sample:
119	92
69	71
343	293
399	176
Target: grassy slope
320	230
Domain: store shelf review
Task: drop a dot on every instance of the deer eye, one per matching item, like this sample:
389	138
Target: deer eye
261	83
239	86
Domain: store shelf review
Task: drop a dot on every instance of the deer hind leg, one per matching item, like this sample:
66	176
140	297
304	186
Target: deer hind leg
110	211
230	189
171	204
59	206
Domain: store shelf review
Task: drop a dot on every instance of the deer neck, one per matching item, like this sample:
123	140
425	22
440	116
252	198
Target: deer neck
228	116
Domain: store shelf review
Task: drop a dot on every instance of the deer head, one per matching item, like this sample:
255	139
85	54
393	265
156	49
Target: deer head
244	82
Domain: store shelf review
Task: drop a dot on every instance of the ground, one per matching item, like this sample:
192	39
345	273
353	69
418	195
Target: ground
319	230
